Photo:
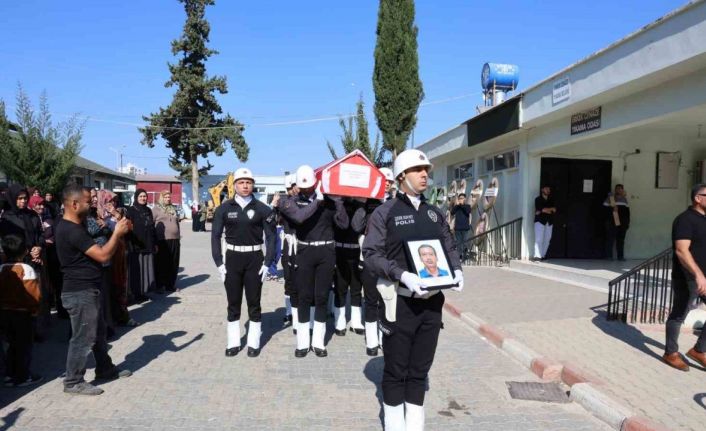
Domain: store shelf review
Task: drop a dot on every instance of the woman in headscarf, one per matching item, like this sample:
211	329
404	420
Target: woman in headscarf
97	226
166	221
119	287
18	219
141	248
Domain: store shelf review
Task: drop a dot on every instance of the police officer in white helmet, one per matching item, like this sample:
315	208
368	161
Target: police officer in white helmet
313	216
389	183
412	314
244	220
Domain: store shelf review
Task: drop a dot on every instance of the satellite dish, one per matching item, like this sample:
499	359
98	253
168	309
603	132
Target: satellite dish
491	194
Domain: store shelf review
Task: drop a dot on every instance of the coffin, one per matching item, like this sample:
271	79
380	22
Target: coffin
352	175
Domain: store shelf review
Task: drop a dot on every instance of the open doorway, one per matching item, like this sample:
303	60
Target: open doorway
579	188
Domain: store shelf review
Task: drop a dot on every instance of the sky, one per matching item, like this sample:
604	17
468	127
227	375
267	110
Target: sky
292	67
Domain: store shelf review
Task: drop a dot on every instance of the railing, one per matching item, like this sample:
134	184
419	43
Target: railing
496	246
643	294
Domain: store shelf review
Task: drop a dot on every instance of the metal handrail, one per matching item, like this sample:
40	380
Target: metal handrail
643	294
496	246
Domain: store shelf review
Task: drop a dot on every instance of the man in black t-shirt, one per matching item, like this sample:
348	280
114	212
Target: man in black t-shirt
81	260
688	280
544	209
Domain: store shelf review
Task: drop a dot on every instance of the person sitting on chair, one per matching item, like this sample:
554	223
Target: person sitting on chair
430	260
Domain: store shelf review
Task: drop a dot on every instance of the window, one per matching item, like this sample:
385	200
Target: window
502	161
464	171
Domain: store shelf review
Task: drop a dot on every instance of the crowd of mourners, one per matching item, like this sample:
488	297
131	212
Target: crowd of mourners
146	261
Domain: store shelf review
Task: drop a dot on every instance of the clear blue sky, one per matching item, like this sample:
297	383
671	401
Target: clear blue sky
285	61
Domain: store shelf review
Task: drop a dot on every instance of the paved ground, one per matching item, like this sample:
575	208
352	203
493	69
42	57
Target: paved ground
568	324
183	381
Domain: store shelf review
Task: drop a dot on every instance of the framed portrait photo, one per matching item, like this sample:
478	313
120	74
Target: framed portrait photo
431	264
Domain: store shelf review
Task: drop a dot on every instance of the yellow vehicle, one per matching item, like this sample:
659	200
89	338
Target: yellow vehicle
227	187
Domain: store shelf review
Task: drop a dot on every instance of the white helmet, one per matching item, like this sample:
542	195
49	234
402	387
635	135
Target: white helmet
410	159
388	174
243	173
289	181
305	177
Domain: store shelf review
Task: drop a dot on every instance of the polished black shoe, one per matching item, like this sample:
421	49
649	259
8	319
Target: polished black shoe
359	331
253	352
372	351
233	351
340	332
321	353
300	353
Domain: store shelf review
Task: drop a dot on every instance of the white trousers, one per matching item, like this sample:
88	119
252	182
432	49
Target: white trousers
542	236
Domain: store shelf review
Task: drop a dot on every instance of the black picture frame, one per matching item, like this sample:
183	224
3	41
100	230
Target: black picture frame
414	249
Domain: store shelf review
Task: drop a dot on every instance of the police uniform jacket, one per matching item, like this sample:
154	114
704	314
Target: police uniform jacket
243	226
348	235
393	224
359	220
313	219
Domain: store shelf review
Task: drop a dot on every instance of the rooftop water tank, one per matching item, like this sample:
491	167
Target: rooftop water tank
501	76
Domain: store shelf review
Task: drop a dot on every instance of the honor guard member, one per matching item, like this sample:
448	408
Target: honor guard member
370	293
313	216
389	184
288	249
412	317
347	275
244	220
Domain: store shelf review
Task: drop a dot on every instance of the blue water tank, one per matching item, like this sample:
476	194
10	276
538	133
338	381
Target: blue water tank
502	76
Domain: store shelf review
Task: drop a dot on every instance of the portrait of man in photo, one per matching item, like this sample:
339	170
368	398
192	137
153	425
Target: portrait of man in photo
427	254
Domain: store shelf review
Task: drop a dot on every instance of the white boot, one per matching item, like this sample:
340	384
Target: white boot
414	418
394	417
233	334
287	306
380	336
254	333
317	339
312	312
356	318
303	336
295	318
371	335
339	316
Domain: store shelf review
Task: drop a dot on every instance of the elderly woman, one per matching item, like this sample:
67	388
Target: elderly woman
166	221
141	248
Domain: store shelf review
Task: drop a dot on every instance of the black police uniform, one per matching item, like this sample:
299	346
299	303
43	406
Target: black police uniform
288	261
243	227
410	341
347	272
313	221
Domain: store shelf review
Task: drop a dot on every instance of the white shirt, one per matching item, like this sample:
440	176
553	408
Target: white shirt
243	202
415	199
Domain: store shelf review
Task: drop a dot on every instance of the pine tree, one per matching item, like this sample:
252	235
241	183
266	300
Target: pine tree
398	89
35	153
356	136
193	124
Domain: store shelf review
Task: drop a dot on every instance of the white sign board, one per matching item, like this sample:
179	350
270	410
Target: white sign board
492	192
588	186
352	175
561	90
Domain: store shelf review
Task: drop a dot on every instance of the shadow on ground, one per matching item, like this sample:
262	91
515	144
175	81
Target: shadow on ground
628	334
373	372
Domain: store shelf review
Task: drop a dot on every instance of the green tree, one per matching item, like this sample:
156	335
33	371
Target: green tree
35	152
356	136
398	89
193	124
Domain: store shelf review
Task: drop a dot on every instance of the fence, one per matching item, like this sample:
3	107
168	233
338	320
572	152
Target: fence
496	246
643	294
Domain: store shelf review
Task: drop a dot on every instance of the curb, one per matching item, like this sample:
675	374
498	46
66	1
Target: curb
583	385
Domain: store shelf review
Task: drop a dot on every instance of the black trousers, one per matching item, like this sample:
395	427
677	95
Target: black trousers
347	277
410	345
371	295
18	328
167	263
314	278
242	274
684	292
289	269
615	236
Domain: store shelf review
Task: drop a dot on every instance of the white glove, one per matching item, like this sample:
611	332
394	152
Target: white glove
458	278
413	283
222	271
319	195
263	273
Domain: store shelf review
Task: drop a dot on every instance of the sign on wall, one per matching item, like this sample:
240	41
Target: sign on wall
561	90
586	121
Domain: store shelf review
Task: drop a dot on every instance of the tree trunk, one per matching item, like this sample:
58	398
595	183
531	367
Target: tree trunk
195	177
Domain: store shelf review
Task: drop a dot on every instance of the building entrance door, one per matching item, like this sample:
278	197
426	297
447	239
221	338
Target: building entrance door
579	188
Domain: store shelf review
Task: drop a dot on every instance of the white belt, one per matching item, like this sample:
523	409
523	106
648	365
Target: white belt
347	245
315	243
403	291
244	248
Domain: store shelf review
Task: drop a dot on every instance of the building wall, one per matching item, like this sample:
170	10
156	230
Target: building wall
153	190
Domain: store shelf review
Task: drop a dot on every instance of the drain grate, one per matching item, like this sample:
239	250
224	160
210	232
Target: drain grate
536	391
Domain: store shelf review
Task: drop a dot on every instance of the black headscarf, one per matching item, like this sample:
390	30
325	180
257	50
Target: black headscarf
23	222
144	235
